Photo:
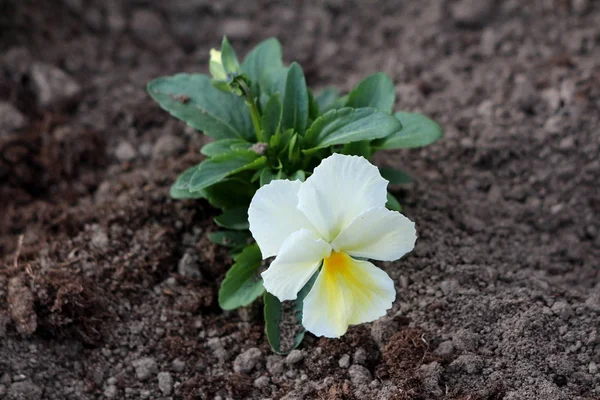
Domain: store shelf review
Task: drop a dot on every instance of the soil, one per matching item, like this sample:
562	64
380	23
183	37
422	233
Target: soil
108	287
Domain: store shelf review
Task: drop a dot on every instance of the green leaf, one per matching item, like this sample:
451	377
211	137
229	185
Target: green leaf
326	98
362	148
229	238
313	107
266	176
230	193
417	131
298	176
229	59
194	100
183	194
223	146
272	313
235	218
271	119
280	142
264	66
394	176
183	180
375	91
242	284
393	203
273	316
294	148
221	166
348	125
295	100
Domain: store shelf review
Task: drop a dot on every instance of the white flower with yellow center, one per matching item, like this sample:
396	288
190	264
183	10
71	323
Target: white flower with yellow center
335	219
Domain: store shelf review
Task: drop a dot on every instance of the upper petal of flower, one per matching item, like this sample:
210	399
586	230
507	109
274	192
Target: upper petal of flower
298	259
346	292
273	215
379	234
340	188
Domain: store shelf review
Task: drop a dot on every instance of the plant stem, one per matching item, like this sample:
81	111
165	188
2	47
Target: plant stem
254	113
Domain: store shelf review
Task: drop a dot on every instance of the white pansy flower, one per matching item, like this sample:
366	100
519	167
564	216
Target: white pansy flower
336	219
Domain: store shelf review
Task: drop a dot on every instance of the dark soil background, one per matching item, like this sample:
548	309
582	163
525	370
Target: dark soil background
112	292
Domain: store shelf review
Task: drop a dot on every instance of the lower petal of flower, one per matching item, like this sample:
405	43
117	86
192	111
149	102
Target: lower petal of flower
346	292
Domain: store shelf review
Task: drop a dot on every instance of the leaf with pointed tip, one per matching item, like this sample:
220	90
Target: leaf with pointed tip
194	100
223	146
271	119
295	100
235	219
375	91
393	203
273	316
223	165
417	131
229	58
362	148
348	125
326	98
242	284
264	67
394	176
232	192
229	238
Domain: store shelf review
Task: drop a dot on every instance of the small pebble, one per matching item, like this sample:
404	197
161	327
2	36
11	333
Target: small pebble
247	361
145	368
294	357
344	361
178	365
125	152
359	375
165	383
261	382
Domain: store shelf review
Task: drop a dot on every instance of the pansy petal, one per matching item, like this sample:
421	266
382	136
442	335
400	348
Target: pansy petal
273	215
379	234
298	259
339	189
346	292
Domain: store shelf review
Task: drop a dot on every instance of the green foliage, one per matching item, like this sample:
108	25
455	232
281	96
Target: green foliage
230	238
326	99
223	165
295	100
394	176
229	59
393	203
223	146
234	218
264	67
242	284
267	125
417	131
194	100
274	314
348	125
376	91
271	119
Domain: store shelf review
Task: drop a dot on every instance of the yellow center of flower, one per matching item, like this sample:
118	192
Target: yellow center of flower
339	269
337	261
348	288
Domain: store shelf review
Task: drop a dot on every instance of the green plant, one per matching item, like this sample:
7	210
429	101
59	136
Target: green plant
268	125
